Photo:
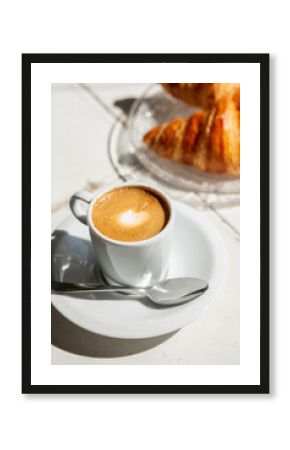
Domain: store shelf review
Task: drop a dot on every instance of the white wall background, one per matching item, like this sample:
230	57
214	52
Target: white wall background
154	421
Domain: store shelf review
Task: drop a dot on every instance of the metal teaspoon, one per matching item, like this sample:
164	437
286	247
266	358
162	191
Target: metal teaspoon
172	291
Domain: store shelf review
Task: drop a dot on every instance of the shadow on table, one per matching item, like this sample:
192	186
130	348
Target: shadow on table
125	104
74	339
72	259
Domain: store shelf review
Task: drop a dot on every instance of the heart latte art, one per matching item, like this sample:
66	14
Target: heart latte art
131	218
129	214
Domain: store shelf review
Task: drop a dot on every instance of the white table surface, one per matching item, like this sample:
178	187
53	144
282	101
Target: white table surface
82	117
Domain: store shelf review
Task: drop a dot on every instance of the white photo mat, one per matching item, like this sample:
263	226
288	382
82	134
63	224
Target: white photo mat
42	372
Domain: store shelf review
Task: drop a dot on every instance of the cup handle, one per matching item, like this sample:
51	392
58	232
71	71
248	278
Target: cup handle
77	206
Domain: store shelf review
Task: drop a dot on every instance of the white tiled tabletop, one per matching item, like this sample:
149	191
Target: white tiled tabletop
82	117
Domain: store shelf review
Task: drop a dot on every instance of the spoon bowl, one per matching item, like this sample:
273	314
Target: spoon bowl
176	290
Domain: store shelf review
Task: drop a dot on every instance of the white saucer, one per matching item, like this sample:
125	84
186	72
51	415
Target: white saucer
198	251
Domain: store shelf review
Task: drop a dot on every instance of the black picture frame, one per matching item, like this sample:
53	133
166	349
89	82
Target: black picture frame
27	61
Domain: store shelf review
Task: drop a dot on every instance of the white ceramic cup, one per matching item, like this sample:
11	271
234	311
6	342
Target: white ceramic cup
140	263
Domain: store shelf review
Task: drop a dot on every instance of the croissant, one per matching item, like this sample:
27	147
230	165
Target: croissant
207	140
203	95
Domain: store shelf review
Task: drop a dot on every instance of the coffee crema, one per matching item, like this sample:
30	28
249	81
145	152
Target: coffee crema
129	214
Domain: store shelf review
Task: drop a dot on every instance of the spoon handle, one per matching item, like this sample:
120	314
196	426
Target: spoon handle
76	288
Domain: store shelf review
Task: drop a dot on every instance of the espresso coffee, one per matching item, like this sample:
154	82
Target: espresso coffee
130	214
